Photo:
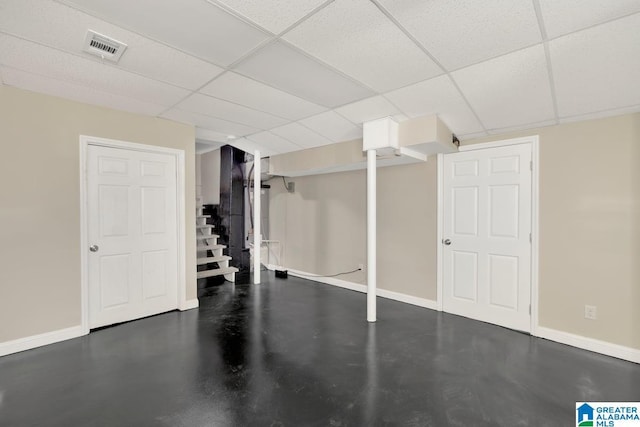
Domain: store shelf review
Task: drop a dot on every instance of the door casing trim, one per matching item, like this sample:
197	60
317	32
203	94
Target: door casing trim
179	155
534	140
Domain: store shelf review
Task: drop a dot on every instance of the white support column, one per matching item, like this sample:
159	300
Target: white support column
257	238
371	235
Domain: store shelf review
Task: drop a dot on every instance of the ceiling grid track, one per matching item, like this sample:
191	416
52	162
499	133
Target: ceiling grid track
316	69
274	38
433	58
547	55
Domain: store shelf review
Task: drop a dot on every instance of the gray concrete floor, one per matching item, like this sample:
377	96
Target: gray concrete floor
298	353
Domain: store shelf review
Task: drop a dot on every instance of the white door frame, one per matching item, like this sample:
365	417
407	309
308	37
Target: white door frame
85	141
535	174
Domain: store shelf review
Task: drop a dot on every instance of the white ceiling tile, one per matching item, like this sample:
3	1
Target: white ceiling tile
250	147
214	107
274	142
211	136
462	32
62	27
333	126
194	26
274	15
355	37
35	58
301	135
68	90
210	123
437	96
602	114
566	16
369	109
511	90
285	68
245	91
597	69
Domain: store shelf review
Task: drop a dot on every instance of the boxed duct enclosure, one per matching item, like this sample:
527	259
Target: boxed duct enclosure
380	135
407	142
425	135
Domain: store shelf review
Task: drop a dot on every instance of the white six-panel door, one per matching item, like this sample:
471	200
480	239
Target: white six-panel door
486	235
132	231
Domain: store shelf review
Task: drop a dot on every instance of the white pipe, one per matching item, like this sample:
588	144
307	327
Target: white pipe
371	235
257	238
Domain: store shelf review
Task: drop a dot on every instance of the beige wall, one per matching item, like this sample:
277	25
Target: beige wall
210	175
320	224
40	204
323	226
198	168
589	226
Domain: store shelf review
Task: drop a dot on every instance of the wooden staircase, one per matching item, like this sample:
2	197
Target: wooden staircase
210	253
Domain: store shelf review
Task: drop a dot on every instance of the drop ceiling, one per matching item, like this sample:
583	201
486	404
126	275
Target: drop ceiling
285	75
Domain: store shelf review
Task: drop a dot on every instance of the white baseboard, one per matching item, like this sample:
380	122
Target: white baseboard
590	344
329	280
189	304
27	343
396	296
602	347
409	299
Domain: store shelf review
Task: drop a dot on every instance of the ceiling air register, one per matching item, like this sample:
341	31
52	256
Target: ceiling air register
104	47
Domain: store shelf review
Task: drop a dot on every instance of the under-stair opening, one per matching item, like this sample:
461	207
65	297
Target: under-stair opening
223	220
212	264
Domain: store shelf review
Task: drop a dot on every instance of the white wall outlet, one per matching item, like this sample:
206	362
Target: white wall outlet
590	312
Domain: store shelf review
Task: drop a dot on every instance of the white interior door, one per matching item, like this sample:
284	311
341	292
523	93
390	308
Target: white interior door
132	231
486	235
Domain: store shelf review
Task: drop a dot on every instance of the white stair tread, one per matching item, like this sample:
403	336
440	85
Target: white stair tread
203	216
204	226
216	272
207	236
209	259
209	247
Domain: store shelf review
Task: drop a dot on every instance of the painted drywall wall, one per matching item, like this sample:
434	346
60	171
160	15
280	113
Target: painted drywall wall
323	226
40	203
318	159
210	175
589	226
198	166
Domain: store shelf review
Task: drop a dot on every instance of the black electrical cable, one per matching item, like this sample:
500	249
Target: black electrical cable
331	275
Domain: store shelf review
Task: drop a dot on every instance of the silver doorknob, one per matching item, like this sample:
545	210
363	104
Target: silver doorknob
94	248
446	242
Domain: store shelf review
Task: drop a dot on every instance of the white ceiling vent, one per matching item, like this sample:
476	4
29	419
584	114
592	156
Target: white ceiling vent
103	46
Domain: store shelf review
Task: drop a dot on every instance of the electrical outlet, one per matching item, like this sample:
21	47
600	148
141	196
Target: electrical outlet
590	312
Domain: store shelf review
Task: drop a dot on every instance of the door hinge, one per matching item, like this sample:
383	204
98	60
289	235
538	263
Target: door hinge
529	309
530	238
531	165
